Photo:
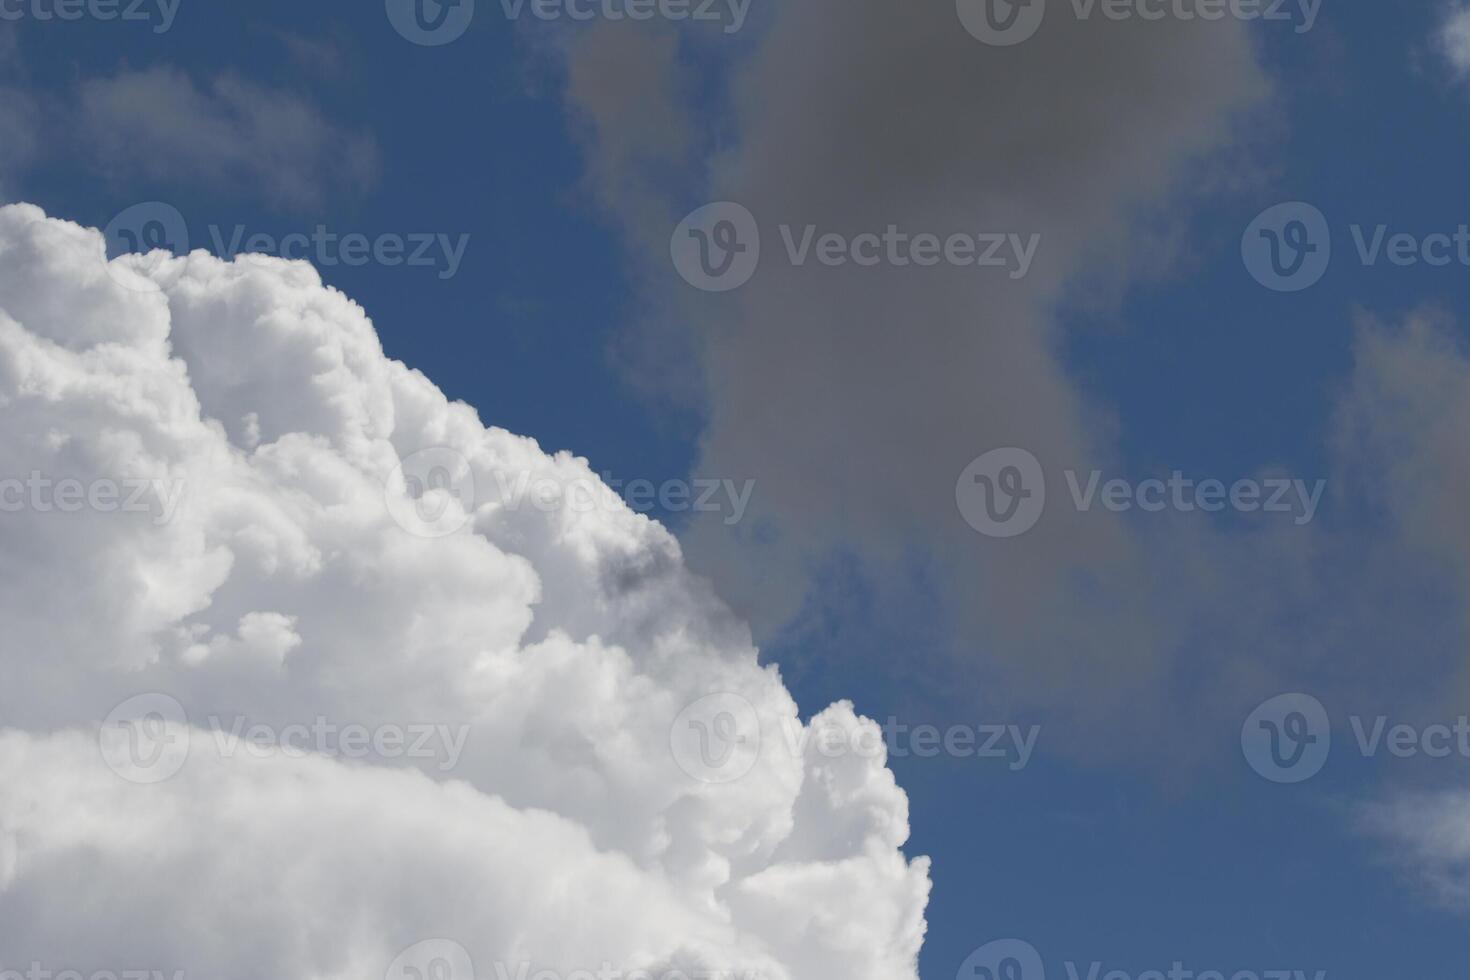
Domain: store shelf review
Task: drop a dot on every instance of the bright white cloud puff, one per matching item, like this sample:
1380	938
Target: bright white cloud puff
369	740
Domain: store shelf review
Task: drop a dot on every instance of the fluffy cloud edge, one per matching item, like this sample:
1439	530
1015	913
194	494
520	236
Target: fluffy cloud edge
282	589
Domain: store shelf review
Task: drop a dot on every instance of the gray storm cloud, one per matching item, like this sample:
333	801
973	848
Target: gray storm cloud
857	395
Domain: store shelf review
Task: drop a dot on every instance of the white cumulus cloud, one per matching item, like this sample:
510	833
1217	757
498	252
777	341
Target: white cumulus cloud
539	656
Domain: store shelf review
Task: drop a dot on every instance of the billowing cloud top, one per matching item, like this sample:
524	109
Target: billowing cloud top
241	446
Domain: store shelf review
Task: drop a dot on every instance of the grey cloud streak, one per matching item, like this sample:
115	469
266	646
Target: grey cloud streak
857	395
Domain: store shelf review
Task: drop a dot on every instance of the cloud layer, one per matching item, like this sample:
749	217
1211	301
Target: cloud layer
857	395
279	590
1430	833
230	132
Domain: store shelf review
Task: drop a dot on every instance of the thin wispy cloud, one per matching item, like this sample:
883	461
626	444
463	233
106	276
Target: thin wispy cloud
225	132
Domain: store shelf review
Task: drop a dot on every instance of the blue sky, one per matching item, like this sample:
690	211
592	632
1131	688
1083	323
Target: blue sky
1137	858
